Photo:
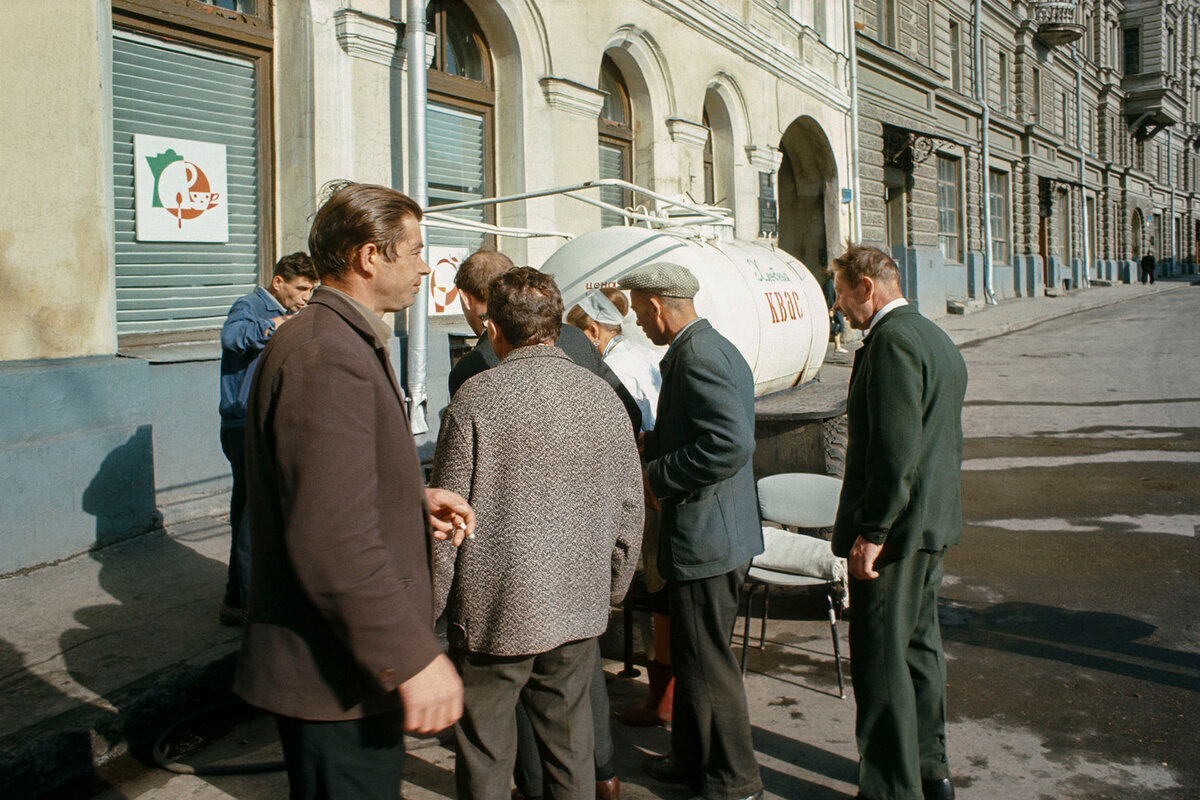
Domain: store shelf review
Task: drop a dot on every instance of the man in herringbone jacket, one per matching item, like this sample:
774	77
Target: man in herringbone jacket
545	450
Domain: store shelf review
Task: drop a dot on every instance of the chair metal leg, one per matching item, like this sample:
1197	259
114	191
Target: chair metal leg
629	671
837	648
762	631
746	628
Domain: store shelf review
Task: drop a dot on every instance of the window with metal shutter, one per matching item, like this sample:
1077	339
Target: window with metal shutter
614	163
455	169
167	89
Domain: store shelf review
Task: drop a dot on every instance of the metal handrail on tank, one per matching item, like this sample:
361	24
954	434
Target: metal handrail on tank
437	216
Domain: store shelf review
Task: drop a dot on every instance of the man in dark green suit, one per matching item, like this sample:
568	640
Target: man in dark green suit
900	508
698	471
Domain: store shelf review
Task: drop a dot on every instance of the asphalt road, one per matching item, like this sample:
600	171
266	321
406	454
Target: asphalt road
1071	613
1069	610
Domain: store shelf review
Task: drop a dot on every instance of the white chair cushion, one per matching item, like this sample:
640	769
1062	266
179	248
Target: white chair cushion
799	554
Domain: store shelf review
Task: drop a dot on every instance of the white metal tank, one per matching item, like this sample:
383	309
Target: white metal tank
759	297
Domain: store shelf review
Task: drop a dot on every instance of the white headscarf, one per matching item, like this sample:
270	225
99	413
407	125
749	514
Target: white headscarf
597	306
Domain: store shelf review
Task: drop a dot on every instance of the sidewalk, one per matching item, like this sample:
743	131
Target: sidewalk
101	651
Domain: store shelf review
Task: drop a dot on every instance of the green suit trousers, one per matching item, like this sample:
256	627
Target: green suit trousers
899	674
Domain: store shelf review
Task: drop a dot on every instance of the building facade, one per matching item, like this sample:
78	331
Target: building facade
1009	148
160	155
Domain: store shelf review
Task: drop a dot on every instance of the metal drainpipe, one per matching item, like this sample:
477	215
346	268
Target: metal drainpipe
1171	222
418	314
985	122
1084	274
855	207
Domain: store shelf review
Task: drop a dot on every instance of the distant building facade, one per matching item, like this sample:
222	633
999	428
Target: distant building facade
1057	140
161	154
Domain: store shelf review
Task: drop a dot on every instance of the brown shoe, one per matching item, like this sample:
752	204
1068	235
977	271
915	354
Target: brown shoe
609	789
656	710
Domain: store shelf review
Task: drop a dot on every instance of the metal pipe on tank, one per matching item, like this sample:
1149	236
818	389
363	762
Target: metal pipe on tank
418	315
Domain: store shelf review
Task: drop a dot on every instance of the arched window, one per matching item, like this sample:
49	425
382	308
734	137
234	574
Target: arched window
459	123
718	151
710	178
616	139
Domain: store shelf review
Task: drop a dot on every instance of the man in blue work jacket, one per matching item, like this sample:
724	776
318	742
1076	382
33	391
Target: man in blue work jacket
251	321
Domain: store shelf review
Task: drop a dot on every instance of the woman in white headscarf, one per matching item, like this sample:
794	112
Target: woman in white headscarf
600	314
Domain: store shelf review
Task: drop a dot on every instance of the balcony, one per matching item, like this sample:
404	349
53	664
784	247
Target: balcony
1057	23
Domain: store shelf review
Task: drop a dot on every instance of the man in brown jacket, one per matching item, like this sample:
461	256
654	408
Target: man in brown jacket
338	640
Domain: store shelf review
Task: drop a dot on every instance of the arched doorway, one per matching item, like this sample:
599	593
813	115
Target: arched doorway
808	219
1135	235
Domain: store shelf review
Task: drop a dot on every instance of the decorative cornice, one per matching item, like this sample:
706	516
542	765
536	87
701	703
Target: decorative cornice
376	39
572	97
749	42
764	157
686	132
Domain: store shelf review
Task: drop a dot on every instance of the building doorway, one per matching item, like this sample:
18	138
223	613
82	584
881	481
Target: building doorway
808	194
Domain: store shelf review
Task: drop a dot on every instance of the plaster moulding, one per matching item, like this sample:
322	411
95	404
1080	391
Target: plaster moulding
686	132
572	97
376	39
764	157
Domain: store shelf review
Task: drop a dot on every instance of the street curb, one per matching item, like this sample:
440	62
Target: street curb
979	334
64	755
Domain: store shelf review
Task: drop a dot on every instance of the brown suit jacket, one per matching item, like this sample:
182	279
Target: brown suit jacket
340	608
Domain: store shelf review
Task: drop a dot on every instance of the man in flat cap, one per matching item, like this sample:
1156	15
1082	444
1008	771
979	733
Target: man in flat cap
698	470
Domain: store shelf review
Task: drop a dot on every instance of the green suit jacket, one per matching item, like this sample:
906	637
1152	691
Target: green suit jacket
699	458
902	486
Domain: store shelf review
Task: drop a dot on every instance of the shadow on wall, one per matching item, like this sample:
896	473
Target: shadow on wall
121	496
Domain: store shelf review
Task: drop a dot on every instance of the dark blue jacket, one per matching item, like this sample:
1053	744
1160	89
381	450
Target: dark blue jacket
245	333
700	458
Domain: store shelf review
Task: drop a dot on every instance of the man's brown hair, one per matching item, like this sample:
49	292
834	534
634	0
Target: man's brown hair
480	269
859	261
526	305
356	214
296	265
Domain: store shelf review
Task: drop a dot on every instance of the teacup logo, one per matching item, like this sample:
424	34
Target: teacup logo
180	187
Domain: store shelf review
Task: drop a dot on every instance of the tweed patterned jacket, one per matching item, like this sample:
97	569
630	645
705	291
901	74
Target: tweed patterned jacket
543	451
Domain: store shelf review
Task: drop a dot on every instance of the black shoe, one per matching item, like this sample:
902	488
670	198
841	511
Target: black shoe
229	615
664	769
937	789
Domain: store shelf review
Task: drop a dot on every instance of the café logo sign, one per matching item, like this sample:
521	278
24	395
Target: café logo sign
180	190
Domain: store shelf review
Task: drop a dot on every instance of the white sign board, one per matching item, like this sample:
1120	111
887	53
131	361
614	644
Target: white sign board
181	190
443	294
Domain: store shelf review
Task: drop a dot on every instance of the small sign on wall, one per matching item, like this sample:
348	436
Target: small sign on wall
180	189
443	294
768	213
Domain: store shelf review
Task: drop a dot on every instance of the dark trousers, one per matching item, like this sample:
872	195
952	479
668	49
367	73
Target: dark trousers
360	759
899	674
710	726
528	771
553	688
233	445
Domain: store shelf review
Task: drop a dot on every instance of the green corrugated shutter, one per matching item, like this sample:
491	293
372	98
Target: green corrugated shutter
455	170
612	165
164	89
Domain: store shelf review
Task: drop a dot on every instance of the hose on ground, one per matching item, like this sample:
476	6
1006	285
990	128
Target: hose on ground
164	762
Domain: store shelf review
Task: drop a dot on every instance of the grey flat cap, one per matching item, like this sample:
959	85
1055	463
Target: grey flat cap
661	278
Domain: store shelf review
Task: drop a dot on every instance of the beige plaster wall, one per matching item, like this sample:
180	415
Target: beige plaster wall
56	263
